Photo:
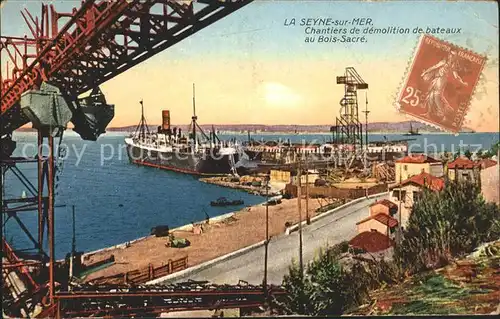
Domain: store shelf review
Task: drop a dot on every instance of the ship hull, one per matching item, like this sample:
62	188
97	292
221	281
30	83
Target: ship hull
279	158
187	163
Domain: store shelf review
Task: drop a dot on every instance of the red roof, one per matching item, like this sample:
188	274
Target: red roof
461	162
425	180
487	162
386	203
371	241
382	218
417	159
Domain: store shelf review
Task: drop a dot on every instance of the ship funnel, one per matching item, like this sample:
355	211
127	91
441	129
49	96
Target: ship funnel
166	120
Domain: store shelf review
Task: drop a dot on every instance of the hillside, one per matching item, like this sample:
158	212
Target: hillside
468	286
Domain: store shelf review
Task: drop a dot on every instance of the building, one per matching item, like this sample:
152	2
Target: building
382	223
371	241
404	194
412	165
384	206
280	176
486	163
490	182
304	179
463	169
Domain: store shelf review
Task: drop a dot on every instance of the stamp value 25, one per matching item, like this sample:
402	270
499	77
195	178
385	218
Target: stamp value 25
440	83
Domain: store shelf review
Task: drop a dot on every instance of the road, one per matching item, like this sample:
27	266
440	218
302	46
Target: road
328	230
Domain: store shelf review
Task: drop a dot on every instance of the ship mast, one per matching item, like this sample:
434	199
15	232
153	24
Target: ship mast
366	120
143	126
194	118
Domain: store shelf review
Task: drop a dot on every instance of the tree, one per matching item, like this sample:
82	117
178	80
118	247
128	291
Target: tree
495	147
491	152
479	153
446	224
297	288
326	288
468	154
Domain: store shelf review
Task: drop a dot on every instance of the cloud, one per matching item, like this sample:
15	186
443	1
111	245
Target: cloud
279	95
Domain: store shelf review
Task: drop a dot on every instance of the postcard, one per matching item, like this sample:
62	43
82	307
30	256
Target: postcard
231	158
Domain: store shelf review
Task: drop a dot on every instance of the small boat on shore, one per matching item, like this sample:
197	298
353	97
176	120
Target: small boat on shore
273	201
222	201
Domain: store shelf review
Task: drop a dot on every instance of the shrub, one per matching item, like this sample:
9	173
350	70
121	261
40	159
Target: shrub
326	287
344	246
447	224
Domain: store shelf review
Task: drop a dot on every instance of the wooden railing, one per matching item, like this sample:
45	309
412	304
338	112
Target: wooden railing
140	276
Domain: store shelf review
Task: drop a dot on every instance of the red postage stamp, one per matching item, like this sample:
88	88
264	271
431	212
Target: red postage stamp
440	83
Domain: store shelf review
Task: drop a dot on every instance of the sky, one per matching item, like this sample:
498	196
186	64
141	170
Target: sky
251	68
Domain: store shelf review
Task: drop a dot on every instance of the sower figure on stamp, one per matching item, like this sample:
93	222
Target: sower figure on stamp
438	76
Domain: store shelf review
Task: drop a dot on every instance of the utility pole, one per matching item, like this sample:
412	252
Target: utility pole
400	230
400	235
299	205
73	246
51	233
307	191
267	236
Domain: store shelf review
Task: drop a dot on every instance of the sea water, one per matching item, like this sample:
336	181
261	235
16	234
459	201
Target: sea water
116	201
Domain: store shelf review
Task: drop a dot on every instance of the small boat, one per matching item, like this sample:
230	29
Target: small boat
222	201
273	201
412	132
160	231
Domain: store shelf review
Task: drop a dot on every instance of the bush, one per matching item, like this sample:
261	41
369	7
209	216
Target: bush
326	287
344	246
447	224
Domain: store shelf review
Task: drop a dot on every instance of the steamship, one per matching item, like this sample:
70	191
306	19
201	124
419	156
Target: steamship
195	153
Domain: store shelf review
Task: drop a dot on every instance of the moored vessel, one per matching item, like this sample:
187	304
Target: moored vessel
222	202
272	152
169	148
412	132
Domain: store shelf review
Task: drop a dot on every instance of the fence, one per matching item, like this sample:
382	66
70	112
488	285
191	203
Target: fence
334	192
140	276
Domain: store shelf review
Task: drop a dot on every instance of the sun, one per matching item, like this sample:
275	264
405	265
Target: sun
279	95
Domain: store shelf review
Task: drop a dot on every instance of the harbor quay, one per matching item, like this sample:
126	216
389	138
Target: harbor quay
223	235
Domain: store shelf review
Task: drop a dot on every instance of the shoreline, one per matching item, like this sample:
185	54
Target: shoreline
118	132
180	228
224	234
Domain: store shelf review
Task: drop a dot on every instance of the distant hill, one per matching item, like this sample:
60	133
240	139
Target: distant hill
398	127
